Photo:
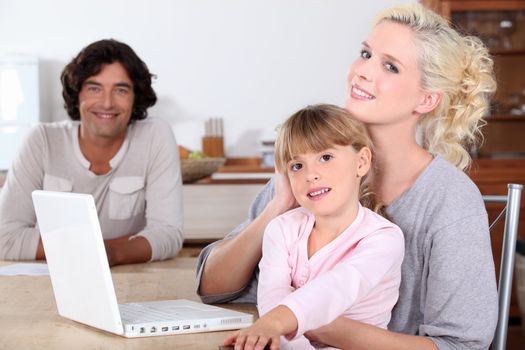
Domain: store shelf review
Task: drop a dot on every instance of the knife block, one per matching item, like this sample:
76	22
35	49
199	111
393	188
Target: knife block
213	146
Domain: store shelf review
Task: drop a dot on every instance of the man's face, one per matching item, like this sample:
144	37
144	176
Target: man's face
106	103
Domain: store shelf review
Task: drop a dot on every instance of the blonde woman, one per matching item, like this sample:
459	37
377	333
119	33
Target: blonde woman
414	73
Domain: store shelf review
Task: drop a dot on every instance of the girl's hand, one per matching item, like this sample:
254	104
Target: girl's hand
266	331
255	337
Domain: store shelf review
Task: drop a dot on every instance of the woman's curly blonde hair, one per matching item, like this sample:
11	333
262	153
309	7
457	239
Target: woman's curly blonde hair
461	70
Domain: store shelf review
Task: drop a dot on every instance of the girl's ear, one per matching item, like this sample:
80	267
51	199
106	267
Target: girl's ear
429	101
364	161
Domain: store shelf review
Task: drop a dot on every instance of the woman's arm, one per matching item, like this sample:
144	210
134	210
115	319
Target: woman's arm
232	262
345	333
459	308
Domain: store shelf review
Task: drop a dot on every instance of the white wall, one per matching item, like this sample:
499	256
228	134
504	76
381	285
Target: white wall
253	62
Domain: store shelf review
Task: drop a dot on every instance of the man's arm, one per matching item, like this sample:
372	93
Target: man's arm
122	250
126	250
18	234
345	333
40	253
162	236
232	262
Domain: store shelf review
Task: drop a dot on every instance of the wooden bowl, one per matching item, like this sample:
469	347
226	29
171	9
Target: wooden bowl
195	169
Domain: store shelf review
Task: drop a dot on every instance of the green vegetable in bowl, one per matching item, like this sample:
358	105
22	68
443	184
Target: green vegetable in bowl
196	155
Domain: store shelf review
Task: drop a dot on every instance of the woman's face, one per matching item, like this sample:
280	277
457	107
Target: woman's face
384	83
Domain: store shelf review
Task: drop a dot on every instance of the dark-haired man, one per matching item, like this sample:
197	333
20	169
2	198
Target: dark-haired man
128	163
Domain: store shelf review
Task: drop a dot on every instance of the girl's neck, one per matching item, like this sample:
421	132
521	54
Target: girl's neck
327	228
399	161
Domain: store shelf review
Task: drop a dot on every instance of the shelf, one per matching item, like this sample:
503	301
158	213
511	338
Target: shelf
483	5
507	52
505	118
239	174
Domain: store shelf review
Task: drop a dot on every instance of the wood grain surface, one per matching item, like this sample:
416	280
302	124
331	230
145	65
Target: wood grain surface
29	319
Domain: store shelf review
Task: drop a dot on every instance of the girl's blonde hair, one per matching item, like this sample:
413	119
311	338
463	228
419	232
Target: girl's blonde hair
461	69
317	128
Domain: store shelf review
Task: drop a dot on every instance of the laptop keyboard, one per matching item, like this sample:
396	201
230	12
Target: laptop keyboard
138	313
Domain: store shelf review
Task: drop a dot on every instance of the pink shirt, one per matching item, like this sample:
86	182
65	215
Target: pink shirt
356	275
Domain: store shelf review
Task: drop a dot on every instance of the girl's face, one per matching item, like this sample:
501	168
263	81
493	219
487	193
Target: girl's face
384	83
327	183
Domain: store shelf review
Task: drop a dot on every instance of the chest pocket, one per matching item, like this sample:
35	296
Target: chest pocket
126	197
55	183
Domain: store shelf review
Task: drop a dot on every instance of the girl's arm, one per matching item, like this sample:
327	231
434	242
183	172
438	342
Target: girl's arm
275	271
345	333
325	298
275	283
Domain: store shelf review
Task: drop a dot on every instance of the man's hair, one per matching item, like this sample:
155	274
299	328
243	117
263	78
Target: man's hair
90	61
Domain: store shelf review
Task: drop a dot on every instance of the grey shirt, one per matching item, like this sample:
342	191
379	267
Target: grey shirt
141	194
448	287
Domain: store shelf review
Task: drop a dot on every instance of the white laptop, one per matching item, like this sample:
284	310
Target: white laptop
82	283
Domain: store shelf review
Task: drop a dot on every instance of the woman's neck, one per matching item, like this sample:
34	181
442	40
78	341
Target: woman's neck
399	161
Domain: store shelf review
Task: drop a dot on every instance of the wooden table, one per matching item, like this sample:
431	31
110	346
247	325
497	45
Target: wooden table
29	318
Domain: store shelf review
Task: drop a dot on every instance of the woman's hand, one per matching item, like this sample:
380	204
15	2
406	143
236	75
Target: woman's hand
283	199
323	334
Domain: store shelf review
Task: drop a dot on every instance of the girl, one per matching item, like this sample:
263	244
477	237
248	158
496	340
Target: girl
331	256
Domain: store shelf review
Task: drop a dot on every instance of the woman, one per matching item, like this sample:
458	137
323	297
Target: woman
414	73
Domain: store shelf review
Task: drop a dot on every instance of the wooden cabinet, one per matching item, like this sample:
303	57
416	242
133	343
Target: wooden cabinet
501	25
492	176
212	211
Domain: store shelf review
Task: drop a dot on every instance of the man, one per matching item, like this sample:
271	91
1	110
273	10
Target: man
130	165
